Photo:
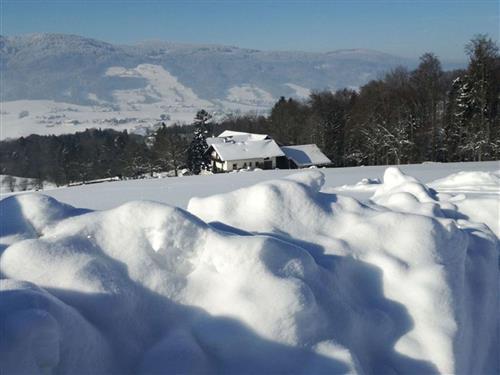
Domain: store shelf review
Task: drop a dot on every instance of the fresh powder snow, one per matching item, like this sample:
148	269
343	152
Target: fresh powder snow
353	270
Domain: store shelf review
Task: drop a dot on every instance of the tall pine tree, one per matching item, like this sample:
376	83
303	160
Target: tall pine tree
198	159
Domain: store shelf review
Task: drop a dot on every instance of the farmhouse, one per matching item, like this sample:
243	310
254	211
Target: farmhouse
232	155
233	150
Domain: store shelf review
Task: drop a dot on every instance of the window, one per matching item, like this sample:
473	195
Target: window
235	166
244	165
250	164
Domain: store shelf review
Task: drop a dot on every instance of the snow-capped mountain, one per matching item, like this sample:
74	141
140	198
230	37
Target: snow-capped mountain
55	83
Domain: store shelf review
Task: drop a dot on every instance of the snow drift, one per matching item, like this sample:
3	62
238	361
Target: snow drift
279	277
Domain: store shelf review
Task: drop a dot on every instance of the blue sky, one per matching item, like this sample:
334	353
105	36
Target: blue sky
405	27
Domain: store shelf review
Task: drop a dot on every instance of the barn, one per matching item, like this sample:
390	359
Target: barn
304	156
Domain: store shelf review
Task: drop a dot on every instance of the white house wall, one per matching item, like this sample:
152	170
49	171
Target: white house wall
228	165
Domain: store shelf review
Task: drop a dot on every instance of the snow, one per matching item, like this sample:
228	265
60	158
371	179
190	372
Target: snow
250	95
231	136
471	181
305	155
300	91
265	272
242	136
46	117
132	109
41	333
236	150
178	191
161	87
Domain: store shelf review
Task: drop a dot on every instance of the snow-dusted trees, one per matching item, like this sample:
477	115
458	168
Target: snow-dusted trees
429	88
287	120
9	182
429	114
388	144
327	121
382	124
405	117
169	149
82	156
472	131
197	158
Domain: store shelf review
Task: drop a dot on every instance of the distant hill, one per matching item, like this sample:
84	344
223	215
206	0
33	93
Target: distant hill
55	83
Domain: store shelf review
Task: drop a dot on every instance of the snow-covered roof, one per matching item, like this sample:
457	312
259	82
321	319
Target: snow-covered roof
305	155
242	136
233	150
212	140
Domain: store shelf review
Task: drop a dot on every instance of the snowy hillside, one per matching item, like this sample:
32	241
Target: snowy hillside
289	275
56	83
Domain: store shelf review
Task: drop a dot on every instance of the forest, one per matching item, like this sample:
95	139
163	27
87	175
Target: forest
407	116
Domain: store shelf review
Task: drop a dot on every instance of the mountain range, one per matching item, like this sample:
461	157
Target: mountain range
57	83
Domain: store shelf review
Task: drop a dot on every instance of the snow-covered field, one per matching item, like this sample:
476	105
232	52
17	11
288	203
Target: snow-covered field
178	191
362	270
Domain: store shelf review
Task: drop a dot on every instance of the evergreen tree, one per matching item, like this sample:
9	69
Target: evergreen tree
197	158
160	148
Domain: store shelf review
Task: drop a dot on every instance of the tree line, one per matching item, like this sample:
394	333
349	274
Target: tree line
93	154
405	117
426	114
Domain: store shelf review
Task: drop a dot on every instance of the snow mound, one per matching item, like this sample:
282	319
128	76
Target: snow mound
426	264
42	334
29	215
472	181
169	294
396	182
364	185
279	277
400	192
404	193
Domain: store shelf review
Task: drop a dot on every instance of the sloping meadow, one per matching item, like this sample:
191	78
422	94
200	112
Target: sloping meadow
279	277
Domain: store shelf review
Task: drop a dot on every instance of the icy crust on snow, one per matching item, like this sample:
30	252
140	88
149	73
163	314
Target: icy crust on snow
279	277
